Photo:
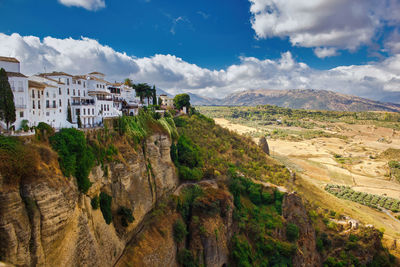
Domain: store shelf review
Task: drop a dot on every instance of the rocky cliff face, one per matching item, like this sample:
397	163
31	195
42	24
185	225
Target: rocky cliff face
294	212
47	222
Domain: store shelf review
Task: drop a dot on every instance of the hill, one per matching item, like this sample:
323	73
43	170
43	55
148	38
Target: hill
304	99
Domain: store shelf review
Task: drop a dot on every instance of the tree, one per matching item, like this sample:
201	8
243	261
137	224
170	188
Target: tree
141	90
148	93
69	114
182	100
154	95
7	106
79	121
128	82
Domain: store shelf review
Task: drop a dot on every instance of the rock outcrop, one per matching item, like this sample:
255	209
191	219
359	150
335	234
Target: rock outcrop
48	222
264	145
294	212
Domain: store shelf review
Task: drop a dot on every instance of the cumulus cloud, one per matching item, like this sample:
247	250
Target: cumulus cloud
323	52
87	4
173	74
341	24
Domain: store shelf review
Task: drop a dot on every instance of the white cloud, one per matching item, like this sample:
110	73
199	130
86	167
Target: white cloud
173	74
87	4
323	52
343	24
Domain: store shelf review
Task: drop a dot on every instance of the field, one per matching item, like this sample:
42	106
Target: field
358	150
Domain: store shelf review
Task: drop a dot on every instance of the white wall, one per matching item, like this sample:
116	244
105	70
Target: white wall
10	66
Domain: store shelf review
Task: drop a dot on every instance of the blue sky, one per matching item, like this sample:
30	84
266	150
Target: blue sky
230	43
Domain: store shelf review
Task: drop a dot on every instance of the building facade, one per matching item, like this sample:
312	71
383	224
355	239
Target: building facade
51	97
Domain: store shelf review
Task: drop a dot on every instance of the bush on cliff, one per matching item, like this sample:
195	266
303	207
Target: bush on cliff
105	207
75	156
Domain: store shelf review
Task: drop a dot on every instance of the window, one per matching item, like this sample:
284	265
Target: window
84	111
47	103
84	84
47	114
67	91
33	104
78	111
33	93
42	92
97	85
101	107
47	94
67	81
93	111
38	104
54	104
69	103
38	94
59	90
73	92
21	114
84	93
59	102
79	92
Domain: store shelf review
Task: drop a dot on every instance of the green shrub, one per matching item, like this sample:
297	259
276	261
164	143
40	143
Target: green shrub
95	202
43	131
75	156
186	259
180	231
105	207
186	173
292	232
188	153
126	216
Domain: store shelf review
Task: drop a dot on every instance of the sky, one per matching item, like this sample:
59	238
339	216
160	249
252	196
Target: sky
212	47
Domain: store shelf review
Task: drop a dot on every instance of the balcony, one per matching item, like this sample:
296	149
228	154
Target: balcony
104	98
83	103
51	106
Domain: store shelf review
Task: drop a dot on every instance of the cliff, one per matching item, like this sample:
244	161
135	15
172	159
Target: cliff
132	209
48	222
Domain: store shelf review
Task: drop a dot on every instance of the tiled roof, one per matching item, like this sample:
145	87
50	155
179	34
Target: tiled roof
15	74
9	59
55	73
96	73
34	84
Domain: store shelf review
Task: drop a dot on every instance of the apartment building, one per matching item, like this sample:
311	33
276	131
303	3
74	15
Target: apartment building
48	97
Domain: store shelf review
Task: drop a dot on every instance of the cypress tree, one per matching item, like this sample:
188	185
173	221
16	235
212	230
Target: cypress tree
69	114
154	95
7	106
79	121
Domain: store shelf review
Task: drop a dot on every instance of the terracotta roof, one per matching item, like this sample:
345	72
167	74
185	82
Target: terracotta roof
79	77
96	73
55	73
34	84
100	80
9	59
15	74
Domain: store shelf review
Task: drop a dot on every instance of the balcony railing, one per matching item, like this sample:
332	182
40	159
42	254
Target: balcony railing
51	106
101	98
83	103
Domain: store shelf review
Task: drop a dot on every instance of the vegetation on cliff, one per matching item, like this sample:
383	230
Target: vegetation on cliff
217	149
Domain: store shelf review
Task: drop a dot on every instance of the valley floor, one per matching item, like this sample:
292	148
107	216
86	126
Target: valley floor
353	158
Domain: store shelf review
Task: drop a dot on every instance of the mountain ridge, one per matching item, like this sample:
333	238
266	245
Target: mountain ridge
312	99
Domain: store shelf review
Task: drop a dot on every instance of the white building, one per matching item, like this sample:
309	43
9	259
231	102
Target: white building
19	86
47	97
166	102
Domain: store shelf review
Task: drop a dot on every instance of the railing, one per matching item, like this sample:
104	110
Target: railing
51	106
20	106
91	103
104	98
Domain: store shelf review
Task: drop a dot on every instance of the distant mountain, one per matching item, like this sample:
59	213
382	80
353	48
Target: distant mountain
204	101
304	99
393	97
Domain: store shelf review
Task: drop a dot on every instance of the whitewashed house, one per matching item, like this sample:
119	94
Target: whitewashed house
47	97
19	86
